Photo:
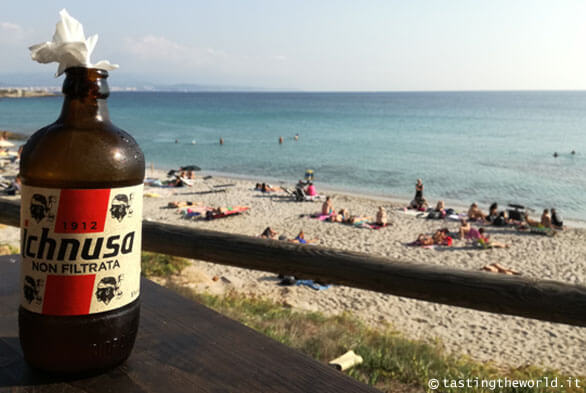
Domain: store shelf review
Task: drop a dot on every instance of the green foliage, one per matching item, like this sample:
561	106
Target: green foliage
7	249
391	362
161	265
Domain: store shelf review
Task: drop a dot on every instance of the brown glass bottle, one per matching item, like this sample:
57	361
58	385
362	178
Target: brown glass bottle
82	149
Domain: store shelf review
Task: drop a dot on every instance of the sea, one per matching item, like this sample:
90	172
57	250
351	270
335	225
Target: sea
466	146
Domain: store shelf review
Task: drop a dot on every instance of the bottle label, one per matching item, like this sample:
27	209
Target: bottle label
80	249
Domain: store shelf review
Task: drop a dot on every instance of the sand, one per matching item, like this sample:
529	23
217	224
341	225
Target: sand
505	340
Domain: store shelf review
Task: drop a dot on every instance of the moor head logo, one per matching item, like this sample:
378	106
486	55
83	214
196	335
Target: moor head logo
41	206
121	206
108	288
32	290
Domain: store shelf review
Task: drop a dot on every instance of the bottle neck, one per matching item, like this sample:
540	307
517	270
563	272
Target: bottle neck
86	91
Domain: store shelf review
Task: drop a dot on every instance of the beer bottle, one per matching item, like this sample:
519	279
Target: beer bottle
81	219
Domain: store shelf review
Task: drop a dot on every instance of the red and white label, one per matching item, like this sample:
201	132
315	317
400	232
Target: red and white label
80	249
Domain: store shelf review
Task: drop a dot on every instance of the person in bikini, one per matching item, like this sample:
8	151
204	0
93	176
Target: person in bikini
327	208
475	214
464	228
546	219
381	216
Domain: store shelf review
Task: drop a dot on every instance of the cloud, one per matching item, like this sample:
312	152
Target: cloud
162	50
279	58
11	32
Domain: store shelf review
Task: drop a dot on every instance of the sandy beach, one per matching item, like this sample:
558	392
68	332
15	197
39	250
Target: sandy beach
505	340
483	336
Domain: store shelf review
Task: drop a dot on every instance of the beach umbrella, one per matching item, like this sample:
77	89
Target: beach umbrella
5	143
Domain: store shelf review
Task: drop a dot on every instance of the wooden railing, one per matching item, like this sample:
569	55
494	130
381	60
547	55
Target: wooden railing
539	299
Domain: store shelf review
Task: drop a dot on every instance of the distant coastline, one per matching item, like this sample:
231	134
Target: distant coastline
24	93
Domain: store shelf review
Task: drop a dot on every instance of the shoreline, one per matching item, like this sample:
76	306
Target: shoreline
325	188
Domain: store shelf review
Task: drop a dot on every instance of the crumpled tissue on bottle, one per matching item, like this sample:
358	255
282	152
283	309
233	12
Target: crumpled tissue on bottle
69	47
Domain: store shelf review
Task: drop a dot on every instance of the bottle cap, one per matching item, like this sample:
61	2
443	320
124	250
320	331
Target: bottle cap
69	47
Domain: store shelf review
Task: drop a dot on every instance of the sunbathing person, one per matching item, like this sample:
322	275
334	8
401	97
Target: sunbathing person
485	240
475	214
265	187
311	191
181	204
14	187
300	238
530	222
501	220
356	220
546	219
327	208
419	204
556	220
464	228
381	216
342	216
492	212
497	268
268	233
441	237
439	212
424	240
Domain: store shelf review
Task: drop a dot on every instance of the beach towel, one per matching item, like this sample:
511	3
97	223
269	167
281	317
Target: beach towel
537	230
312	284
542	231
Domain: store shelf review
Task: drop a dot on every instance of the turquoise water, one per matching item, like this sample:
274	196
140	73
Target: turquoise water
466	146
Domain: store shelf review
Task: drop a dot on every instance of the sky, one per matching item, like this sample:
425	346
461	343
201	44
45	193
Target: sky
326	45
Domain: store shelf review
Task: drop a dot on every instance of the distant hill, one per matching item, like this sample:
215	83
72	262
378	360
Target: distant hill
121	81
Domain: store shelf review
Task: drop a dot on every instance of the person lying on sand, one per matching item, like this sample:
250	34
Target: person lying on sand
486	242
530	222
341	216
14	187
181	204
424	240
497	268
441	237
268	233
265	187
355	220
300	238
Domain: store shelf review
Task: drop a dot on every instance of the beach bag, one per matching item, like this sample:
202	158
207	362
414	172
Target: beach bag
499	221
434	215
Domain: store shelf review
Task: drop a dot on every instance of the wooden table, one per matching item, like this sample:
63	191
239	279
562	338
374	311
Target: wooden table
182	346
